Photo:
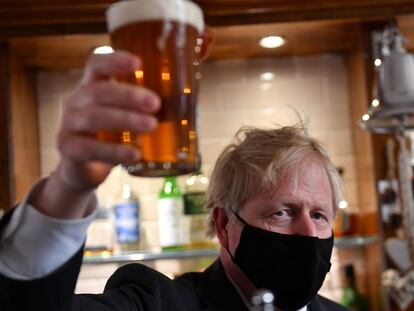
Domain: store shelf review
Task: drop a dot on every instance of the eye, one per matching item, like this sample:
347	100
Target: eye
319	216
281	217
283	213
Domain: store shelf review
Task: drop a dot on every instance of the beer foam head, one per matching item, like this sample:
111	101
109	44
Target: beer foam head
126	12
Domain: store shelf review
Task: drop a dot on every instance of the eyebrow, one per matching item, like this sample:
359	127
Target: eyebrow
295	203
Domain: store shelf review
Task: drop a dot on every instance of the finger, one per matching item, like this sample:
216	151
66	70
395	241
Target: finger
97	118
121	95
103	66
84	149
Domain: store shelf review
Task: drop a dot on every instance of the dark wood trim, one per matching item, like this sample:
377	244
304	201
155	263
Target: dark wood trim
24	126
222	13
4	4
6	188
39	17
51	30
360	89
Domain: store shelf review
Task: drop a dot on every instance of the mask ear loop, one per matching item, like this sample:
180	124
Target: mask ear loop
243	222
239	218
231	256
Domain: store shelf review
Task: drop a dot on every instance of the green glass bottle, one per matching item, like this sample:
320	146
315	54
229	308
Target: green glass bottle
196	216
170	216
351	297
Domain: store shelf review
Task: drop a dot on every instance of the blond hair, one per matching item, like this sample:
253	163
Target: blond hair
255	162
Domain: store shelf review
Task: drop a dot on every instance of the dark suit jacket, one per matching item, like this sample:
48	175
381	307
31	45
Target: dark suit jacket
132	287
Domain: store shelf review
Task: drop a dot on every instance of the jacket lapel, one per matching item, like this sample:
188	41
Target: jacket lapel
316	305
217	292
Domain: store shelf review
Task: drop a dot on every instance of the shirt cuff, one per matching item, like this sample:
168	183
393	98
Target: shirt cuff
34	245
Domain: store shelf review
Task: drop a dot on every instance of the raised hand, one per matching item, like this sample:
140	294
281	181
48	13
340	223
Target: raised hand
98	103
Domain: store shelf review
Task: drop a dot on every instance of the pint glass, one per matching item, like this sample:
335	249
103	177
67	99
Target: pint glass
165	35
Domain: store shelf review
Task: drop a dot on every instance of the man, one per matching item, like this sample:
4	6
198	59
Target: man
272	201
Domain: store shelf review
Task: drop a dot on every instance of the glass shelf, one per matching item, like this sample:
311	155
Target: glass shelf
108	257
355	241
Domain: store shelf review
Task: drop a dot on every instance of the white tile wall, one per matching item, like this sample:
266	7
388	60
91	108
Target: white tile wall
232	95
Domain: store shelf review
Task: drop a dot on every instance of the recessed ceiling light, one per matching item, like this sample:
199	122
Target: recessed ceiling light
377	62
103	49
267	76
272	42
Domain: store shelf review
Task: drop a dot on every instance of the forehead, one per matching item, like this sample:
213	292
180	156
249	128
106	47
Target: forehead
305	179
304	184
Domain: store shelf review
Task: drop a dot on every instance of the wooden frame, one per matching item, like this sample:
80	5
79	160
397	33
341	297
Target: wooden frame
41	17
6	185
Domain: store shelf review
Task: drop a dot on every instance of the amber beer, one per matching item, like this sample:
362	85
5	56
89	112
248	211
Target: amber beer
165	35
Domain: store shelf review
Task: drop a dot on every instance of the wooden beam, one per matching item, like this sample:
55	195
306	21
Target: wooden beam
5	143
302	38
25	128
230	12
360	94
48	3
360	75
40	17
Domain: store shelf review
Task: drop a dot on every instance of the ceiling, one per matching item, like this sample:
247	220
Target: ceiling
302	38
45	17
59	35
231	42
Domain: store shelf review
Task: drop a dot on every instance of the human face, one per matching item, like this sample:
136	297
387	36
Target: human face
302	205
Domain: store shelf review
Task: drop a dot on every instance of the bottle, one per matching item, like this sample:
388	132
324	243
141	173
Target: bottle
170	216
99	238
126	220
195	214
351	297
343	220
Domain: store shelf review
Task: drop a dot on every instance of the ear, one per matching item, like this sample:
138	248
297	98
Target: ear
220	222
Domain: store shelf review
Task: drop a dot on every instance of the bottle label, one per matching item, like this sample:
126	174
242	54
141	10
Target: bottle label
127	222
170	221
194	203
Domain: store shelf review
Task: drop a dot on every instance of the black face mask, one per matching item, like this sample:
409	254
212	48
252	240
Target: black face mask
293	267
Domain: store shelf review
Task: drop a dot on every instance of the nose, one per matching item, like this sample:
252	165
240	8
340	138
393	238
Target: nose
304	225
